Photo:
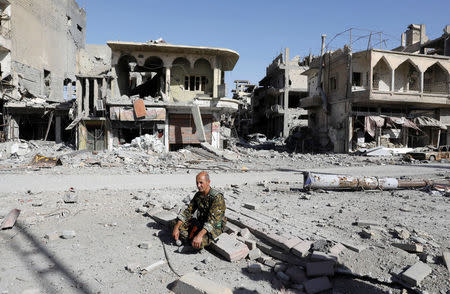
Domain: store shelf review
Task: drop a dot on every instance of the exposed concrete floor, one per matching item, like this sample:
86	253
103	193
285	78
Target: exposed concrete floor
109	230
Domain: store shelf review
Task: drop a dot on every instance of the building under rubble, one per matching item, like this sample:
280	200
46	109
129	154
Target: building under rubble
38	64
392	98
276	103
56	87
174	92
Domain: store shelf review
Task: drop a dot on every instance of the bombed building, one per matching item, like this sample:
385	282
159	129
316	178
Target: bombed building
38	61
391	98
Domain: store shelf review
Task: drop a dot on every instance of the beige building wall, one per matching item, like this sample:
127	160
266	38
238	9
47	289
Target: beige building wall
46	35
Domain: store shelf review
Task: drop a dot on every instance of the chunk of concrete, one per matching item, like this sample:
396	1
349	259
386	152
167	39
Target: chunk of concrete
317	285
145	245
254	268
290	243
366	223
132	267
336	249
230	248
250	206
321	256
9	221
250	244
163	217
302	248
254	254
231	228
245	233
446	257
192	283
297	274
409	247
68	234
70	198
322	268
416	273
353	247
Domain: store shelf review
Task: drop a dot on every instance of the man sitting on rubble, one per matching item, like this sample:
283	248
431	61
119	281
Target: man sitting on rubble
210	222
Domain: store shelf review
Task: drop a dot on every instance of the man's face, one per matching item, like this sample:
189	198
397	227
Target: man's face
202	183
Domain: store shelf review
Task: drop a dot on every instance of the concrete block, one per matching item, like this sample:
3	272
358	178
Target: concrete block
322	268
145	245
70	198
416	273
280	267
297	274
245	233
409	247
402	233
231	228
254	254
302	248
250	206
68	234
230	248
279	254
270	262
321	256
250	244
353	247
254	268
192	283
282	276
163	217
289	243
317	285
367	223
446	257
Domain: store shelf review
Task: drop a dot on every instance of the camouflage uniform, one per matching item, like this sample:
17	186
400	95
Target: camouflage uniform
210	216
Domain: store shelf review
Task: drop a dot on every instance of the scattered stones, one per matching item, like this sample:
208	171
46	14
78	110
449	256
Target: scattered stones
416	273
68	234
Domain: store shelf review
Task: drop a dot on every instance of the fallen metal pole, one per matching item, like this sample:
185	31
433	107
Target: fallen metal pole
312	181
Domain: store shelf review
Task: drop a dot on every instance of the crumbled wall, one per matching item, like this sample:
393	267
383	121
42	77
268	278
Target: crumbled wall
94	60
46	35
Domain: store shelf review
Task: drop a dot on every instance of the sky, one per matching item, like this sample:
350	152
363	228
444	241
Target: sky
259	30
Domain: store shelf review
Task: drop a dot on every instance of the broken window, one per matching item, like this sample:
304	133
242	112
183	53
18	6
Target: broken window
333	83
356	79
47	82
80	28
195	83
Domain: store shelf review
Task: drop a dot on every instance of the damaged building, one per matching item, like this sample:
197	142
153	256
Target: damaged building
38	66
391	98
276	103
174	92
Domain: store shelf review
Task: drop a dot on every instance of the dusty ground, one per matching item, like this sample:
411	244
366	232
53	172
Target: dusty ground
110	186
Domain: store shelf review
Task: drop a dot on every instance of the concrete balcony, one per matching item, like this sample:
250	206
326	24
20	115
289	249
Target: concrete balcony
406	97
311	102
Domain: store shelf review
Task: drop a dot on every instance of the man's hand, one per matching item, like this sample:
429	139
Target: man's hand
176	230
197	241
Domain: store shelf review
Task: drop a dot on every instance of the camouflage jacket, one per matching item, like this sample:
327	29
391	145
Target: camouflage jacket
210	211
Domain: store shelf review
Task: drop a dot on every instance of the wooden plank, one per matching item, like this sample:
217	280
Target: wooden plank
10	219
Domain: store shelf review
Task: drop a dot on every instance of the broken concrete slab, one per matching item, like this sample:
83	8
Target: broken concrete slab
409	247
416	273
366	223
336	249
193	283
297	274
279	254
250	244
68	234
254	254
317	285
231	228
321	256
354	247
245	233
230	248
446	257
254	268
302	248
10	219
163	217
322	268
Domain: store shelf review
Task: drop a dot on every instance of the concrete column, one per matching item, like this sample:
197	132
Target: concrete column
13	129
393	80
86	98
166	132
57	129
216	79
421	81
167	86
286	94
95	90
104	87
79	93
